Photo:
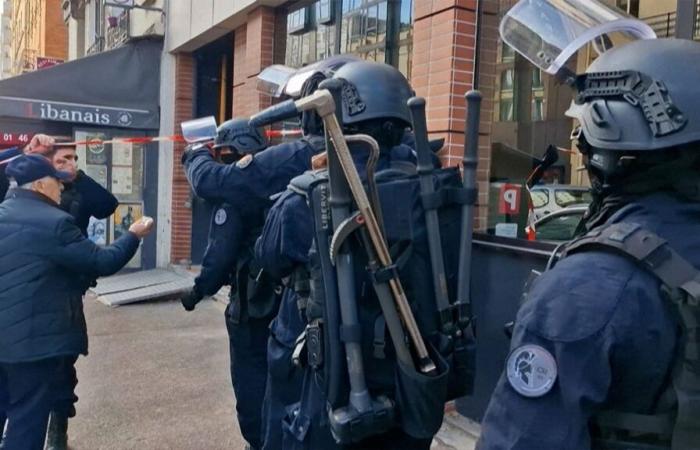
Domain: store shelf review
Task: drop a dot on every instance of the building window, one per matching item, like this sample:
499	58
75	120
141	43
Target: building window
506	106
360	27
538	98
324	11
507	54
298	21
406	38
364	28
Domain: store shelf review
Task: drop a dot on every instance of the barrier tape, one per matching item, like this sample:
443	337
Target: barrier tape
271	134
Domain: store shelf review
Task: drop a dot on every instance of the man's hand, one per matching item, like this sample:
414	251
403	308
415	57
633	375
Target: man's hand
190	299
142	227
40	143
319	161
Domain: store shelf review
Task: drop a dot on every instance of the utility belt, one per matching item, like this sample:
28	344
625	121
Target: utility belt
254	293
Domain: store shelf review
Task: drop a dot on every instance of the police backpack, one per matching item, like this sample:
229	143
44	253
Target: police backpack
406	398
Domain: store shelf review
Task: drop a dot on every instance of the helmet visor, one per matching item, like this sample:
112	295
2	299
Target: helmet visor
549	32
273	79
278	80
199	130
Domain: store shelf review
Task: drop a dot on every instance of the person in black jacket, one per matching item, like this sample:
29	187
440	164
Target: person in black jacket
82	198
43	258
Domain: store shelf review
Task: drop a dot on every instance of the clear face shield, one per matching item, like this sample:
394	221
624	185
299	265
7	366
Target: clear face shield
199	130
549	32
279	80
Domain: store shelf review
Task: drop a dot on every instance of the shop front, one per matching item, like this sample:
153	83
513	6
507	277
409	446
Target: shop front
92	100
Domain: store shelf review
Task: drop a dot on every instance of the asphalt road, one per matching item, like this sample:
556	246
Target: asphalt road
157	377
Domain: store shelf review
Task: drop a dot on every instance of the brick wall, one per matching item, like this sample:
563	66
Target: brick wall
181	197
443	70
254	49
443	66
55	43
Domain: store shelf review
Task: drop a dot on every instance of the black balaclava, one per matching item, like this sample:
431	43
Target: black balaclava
311	123
675	171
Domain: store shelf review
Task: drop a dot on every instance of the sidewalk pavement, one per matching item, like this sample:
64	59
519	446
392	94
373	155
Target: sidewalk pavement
157	378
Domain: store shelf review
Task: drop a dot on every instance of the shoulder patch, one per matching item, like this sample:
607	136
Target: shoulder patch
220	217
531	370
245	161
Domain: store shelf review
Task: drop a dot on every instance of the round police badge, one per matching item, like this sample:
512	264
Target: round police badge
531	370
220	216
244	162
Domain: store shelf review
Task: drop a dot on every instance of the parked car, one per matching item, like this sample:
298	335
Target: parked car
548	198
560	225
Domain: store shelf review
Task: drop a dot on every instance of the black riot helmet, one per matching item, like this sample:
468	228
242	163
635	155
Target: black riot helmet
374	91
241	137
641	96
311	123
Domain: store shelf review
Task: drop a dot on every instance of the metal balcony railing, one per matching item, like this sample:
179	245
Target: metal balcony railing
117	32
663	24
97	46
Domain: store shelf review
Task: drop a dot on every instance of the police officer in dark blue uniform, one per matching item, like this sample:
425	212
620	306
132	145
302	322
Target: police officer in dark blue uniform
604	350
242	191
301	421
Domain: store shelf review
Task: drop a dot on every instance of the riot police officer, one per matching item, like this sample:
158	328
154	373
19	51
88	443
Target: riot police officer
604	350
241	190
283	248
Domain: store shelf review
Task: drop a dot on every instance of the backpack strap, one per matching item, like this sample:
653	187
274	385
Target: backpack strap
304	183
680	283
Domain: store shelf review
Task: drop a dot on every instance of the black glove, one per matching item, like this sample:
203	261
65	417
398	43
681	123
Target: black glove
190	299
190	150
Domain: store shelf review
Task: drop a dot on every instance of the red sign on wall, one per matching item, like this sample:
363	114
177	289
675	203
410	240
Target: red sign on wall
14	139
44	62
509	199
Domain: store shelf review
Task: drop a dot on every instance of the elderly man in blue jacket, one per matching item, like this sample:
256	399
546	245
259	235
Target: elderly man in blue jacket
43	260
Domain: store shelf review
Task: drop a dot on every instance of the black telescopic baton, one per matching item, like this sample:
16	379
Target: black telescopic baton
469	163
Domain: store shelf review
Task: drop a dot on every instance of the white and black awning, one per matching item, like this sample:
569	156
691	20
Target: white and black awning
118	88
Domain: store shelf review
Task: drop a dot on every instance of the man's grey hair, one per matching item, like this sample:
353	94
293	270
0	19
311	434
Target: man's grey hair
28	186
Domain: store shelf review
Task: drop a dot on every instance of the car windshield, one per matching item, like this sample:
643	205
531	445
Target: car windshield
539	197
559	227
568	197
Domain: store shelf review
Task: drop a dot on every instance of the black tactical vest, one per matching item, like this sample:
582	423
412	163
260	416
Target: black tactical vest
676	424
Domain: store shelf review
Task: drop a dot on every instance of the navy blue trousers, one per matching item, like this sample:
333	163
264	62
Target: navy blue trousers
65	383
248	350
27	396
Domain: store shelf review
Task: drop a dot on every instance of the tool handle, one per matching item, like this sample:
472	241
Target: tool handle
276	113
420	131
469	161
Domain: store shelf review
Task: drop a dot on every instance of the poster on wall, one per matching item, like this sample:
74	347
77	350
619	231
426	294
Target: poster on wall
122	154
81	150
96	151
125	215
97	173
122	181
97	231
